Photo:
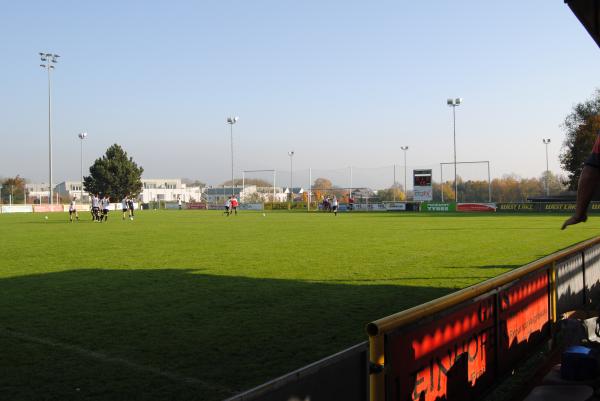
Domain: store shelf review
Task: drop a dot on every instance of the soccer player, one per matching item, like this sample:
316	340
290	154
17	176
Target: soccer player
130	205
73	210
95	208
234	204
105	207
334	205
227	206
124	206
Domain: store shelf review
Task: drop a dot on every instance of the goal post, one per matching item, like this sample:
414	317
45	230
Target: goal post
272	172
487	162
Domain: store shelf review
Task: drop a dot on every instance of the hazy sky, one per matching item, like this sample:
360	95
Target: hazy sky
342	83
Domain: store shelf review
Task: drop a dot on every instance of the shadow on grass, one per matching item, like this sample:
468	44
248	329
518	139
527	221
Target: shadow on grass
227	333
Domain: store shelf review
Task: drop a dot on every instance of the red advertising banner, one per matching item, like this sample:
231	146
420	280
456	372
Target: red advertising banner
196	205
451	357
48	208
524	317
476	207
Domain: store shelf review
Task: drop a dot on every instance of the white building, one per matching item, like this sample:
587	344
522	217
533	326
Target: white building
70	189
37	193
168	189
162	189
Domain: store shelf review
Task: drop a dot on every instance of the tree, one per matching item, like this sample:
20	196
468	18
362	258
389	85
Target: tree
15	188
581	127
114	175
193	183
238	182
322	183
393	193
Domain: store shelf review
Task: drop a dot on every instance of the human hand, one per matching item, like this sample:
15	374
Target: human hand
574	220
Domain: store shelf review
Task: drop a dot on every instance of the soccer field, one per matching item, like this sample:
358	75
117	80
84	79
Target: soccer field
184	305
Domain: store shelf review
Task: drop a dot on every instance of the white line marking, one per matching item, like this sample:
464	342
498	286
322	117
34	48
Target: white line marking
110	359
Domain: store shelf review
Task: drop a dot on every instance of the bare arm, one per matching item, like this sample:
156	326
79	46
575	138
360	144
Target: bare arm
588	181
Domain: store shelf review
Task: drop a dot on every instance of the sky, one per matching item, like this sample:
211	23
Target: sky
341	83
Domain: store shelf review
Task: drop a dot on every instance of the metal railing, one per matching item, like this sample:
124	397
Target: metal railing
479	331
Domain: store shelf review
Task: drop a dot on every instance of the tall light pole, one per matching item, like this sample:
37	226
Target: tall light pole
82	136
454	103
546	142
291	155
231	121
405	148
48	59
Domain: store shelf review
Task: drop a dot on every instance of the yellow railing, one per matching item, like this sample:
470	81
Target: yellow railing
379	328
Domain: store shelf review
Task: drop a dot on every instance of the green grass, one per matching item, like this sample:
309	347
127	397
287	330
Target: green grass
227	303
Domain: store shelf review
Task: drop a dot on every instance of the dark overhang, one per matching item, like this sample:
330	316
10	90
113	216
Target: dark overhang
588	13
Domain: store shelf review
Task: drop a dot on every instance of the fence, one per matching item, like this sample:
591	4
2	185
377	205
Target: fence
454	347
342	376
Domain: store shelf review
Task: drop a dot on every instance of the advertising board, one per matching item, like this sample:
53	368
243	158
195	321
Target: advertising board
476	207
451	357
369	207
16	209
543	207
524	318
438	207
251	206
515	207
395	206
422	188
196	206
48	208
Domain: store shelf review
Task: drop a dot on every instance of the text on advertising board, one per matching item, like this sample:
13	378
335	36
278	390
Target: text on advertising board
447	358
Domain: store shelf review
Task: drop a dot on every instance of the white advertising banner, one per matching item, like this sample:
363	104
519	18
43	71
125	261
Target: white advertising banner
17	209
251	206
371	207
422	194
395	206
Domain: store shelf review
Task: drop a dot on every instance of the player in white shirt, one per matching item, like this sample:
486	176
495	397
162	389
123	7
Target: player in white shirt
73	210
105	207
227	206
95	208
334	205
124	206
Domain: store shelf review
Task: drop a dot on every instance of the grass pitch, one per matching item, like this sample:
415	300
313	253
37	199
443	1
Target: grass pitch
184	305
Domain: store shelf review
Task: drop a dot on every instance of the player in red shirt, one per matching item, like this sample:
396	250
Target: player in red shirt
234	205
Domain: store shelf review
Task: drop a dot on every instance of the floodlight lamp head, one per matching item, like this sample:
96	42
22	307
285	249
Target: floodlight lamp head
450	102
43	65
82	135
458	100
291	153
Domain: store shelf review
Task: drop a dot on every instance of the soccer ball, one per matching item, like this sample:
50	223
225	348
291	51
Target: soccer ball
264	214
46	217
131	218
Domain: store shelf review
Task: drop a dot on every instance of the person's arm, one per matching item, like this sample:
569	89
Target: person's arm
588	181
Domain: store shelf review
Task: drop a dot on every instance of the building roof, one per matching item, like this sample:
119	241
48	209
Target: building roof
588	13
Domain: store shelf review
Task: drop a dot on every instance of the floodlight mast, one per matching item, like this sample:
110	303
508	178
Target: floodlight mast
231	121
546	142
49	59
405	148
291	155
82	136
454	103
